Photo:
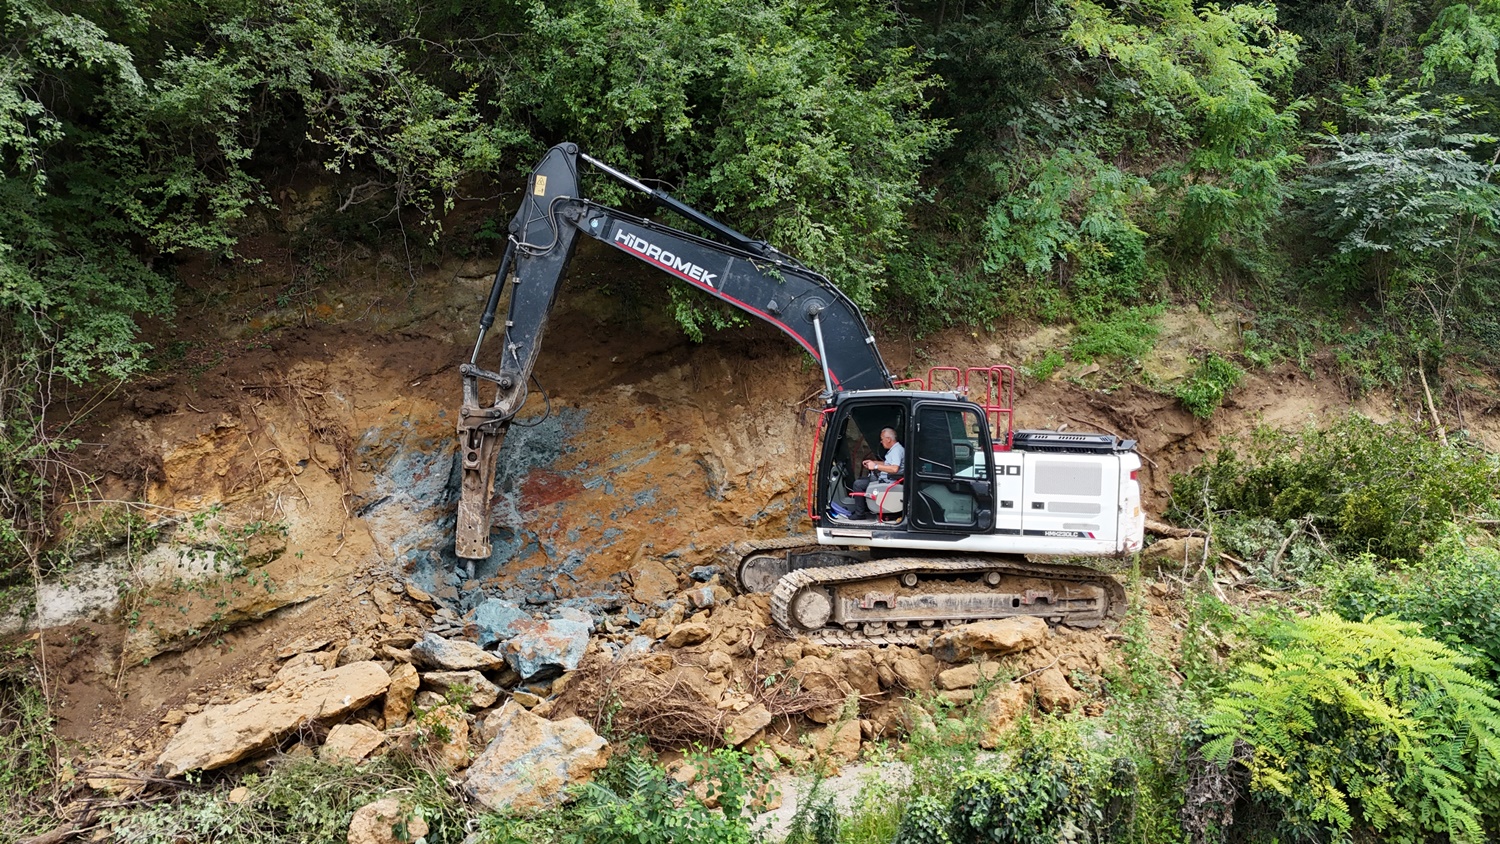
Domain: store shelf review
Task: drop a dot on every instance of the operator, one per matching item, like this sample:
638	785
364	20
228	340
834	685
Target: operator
879	470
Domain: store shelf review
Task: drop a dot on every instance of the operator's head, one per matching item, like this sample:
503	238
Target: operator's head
887	437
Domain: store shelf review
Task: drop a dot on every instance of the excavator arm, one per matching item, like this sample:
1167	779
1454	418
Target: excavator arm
748	274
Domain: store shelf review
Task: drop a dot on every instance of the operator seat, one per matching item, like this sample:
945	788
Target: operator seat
885	498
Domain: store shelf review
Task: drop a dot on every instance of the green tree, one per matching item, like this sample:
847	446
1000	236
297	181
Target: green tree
1405	199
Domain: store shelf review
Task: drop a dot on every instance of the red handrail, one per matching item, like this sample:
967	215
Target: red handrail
812	465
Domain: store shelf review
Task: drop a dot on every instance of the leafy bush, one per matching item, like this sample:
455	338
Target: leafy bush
1453	592
1409	199
1385	489
1205	389
1047	794
633	801
1359	729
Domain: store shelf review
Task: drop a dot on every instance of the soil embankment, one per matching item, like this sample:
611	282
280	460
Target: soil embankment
296	462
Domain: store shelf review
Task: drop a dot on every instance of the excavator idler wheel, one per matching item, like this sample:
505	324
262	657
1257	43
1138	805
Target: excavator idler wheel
812	609
909	579
760	572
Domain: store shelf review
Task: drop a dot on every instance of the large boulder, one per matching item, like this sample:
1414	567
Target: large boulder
531	761
652	581
453	654
220	735
499	620
999	636
548	648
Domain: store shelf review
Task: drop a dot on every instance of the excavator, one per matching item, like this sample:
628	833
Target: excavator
947	538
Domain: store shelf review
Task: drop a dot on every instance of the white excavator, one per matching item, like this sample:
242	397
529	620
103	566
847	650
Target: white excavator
949	535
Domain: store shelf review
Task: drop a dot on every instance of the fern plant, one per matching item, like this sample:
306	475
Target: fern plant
1360	727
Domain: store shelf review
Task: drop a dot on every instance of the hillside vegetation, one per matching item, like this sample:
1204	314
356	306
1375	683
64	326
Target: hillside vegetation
1327	668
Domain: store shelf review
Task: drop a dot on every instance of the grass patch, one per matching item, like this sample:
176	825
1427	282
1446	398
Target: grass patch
30	751
1126	334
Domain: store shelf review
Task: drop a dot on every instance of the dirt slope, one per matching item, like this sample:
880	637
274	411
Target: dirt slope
315	430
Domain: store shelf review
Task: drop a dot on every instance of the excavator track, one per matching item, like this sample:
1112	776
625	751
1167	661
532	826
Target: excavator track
900	600
740	561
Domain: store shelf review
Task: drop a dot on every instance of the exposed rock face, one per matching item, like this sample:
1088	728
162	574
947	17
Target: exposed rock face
402	692
453	655
998	636
386	822
548	648
482	693
223	734
350	743
531	760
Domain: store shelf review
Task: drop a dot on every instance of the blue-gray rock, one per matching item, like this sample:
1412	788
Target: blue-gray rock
571	614
547	648
634	617
704	574
499	620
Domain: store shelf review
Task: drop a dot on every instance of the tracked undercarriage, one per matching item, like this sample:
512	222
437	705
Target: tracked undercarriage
843	597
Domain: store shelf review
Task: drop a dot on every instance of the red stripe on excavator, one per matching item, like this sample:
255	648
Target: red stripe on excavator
725	296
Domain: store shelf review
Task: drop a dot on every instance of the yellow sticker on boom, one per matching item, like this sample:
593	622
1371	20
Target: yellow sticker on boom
540	189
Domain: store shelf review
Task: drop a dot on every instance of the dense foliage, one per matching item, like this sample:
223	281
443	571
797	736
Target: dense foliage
1386	489
1364	728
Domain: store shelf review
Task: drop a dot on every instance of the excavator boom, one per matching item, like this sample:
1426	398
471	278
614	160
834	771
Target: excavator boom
745	273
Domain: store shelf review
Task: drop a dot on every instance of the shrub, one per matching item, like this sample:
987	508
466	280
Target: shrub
1205	389
302	802
1044	796
1364	728
1452	592
1385	489
633	800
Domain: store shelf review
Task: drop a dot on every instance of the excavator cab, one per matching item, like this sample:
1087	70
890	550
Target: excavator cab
943	487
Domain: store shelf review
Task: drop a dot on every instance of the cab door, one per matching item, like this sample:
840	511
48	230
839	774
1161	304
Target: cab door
950	469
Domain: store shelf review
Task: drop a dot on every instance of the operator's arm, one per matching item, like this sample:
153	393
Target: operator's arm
892	463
